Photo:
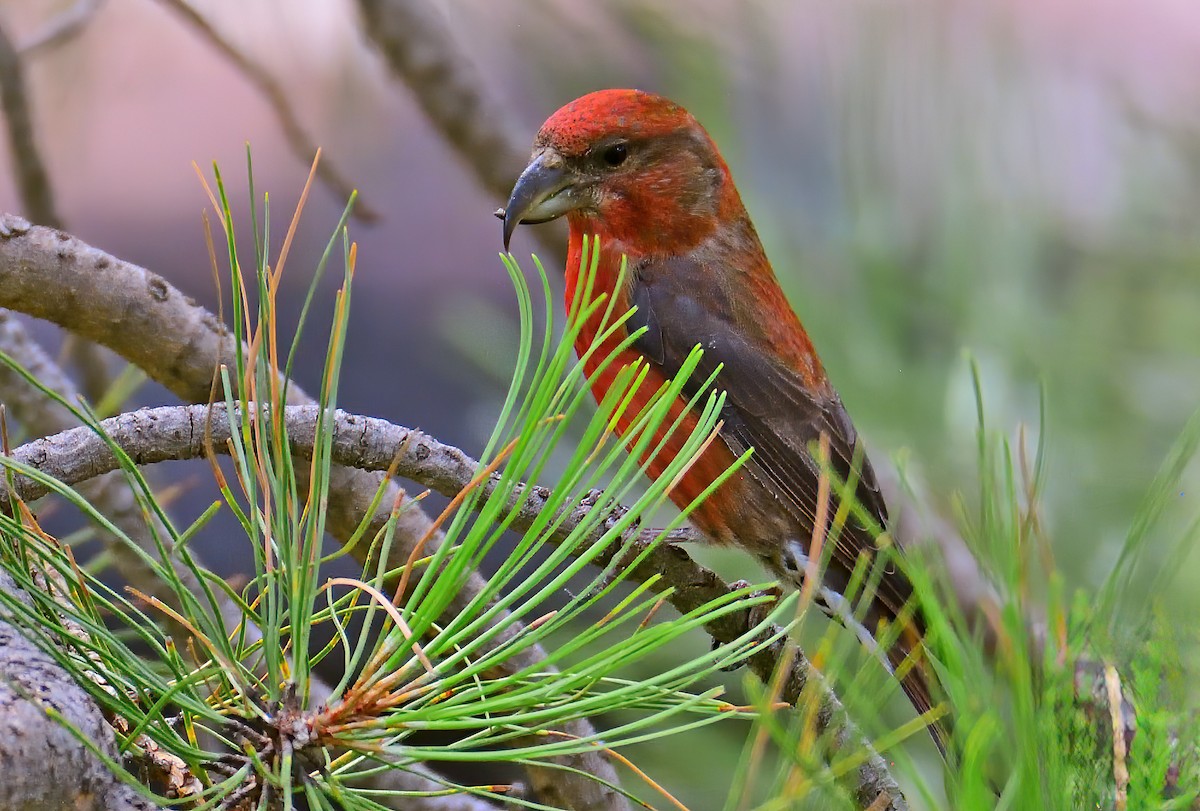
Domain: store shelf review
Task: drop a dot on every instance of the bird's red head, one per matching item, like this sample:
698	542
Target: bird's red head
633	167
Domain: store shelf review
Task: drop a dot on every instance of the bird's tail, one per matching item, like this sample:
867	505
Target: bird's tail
901	650
905	657
908	661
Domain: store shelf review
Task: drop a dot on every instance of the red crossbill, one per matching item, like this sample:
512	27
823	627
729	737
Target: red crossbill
638	172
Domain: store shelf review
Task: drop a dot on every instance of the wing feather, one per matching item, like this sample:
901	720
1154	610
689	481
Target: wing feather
768	406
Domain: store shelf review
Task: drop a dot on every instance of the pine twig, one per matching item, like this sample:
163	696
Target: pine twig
140	316
175	433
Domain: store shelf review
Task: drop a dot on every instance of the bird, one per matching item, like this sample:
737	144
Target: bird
639	175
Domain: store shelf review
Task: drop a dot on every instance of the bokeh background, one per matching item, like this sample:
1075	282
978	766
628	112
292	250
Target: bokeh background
1013	179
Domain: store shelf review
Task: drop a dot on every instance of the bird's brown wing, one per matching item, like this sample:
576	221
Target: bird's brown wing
768	407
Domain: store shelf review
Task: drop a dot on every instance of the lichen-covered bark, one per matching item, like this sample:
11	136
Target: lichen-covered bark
43	766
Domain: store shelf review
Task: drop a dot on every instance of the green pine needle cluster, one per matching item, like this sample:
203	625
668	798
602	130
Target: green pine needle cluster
232	696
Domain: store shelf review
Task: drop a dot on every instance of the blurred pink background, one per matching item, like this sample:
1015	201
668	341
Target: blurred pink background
1016	179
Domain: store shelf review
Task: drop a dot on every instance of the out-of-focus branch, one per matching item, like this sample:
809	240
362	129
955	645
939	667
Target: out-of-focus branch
62	28
421	50
33	181
179	432
419	47
299	140
33	409
138	315
89	362
414	780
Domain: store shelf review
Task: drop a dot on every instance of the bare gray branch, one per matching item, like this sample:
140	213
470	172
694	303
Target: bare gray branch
45	766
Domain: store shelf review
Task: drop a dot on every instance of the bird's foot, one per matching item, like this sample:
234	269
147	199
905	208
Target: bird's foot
755	614
589	502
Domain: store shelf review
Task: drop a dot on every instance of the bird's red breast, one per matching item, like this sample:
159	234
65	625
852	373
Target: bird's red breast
712	516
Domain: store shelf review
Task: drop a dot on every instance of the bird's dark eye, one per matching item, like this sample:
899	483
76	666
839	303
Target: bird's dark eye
616	154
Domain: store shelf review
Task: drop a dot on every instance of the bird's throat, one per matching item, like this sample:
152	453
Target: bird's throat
603	359
600	277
